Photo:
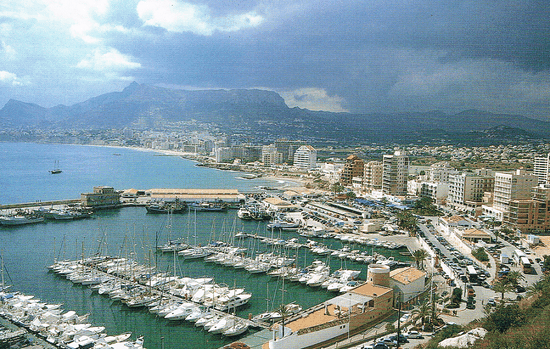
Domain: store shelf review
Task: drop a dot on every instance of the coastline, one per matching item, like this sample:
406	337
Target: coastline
282	181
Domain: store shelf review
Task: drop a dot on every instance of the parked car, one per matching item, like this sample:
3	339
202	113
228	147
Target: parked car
405	318
380	345
402	339
414	335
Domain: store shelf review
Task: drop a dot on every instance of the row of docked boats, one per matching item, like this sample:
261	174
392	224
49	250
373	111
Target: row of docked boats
345	252
254	211
173	298
318	275
177	206
65	329
23	217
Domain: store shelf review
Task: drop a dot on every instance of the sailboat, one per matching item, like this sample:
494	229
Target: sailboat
56	168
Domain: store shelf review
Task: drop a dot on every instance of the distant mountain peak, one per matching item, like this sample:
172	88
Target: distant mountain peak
131	88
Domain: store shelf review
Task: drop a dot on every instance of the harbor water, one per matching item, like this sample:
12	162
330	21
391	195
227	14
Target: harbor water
131	232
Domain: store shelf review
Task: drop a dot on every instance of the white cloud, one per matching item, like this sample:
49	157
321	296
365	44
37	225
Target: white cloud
10	78
7	51
108	60
313	99
186	17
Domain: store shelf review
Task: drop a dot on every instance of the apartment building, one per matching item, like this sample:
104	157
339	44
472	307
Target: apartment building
395	173
270	155
512	186
373	175
287	148
305	158
531	214
354	167
541	168
440	172
466	190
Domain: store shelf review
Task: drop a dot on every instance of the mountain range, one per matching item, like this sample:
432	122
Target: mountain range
261	112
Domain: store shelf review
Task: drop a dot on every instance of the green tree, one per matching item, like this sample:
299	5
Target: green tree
456	297
505	317
502	286
422	312
283	311
337	188
513	278
351	195
480	254
546	262
405	220
419	257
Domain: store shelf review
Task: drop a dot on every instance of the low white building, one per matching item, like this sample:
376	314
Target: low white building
437	191
448	224
408	283
276	204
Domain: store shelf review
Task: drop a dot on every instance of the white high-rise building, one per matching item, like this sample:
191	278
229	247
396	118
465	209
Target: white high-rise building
541	168
396	173
373	175
512	186
467	189
305	158
440	171
270	155
223	154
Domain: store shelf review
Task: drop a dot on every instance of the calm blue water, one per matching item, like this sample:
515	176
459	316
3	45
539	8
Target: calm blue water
130	232
25	177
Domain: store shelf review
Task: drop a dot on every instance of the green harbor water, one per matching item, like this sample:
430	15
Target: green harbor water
131	232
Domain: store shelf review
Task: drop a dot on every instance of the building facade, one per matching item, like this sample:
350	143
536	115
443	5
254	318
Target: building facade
466	190
101	197
270	155
287	148
532	214
353	167
437	191
305	158
512	186
395	173
541	168
373	175
440	172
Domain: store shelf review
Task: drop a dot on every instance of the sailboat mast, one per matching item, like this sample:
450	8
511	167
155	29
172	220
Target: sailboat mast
2	257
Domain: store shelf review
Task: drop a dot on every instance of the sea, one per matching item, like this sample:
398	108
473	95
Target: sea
132	233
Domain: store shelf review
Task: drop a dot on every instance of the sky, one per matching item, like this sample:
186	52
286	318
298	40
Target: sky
340	55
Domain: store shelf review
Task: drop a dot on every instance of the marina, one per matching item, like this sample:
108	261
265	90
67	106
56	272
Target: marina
25	316
129	232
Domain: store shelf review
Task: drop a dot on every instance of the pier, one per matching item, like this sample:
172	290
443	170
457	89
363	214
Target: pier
89	266
38	204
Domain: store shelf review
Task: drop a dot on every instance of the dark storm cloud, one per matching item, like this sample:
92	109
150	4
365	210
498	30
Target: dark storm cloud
361	56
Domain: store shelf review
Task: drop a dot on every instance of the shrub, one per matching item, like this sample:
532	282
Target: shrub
480	254
505	317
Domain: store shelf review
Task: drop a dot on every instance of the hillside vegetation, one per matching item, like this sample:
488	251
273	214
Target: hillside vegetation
521	325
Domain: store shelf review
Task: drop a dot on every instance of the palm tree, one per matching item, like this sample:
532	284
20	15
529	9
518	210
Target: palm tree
423	311
502	286
513	278
539	286
283	310
419	256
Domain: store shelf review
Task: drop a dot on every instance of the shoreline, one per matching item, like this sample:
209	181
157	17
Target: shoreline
282	180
